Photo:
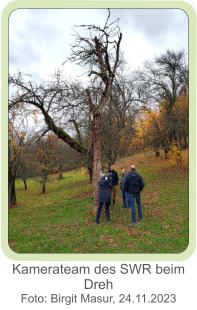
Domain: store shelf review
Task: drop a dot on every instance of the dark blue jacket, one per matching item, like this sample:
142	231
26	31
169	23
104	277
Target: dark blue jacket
105	186
133	183
115	178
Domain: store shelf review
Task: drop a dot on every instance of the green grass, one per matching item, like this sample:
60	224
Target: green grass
62	221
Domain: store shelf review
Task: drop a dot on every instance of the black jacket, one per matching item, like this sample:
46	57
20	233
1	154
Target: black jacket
105	186
115	178
133	183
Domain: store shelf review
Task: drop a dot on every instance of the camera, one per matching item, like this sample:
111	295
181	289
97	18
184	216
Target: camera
109	175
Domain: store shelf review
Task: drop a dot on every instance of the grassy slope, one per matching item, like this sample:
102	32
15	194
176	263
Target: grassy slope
62	222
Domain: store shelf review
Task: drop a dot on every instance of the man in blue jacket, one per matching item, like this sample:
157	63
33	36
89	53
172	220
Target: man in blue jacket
105	185
133	185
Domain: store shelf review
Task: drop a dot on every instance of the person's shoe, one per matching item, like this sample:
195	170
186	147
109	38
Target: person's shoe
133	224
96	223
108	222
140	220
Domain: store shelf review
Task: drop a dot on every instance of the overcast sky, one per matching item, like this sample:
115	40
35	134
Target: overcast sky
39	39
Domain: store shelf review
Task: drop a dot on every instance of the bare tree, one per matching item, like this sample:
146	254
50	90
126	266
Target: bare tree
161	82
118	118
17	144
99	52
52	99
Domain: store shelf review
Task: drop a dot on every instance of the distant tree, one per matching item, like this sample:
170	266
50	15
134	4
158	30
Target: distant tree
45	155
18	142
66	158
119	117
147	132
161	82
153	128
25	170
181	115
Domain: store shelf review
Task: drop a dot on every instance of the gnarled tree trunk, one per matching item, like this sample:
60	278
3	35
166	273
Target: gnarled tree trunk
44	188
97	164
11	190
25	183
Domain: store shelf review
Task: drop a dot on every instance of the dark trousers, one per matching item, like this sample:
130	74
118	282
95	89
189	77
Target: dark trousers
131	205
124	198
98	213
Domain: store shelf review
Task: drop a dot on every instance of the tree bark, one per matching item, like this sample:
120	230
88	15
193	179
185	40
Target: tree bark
25	183
97	164
11	191
44	188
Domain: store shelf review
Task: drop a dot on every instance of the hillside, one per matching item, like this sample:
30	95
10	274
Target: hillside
62	221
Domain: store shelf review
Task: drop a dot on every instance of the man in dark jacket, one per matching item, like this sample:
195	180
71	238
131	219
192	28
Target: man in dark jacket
105	185
115	181
122	181
133	186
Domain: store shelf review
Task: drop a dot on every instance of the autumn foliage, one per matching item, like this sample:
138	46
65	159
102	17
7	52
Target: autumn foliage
157	130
